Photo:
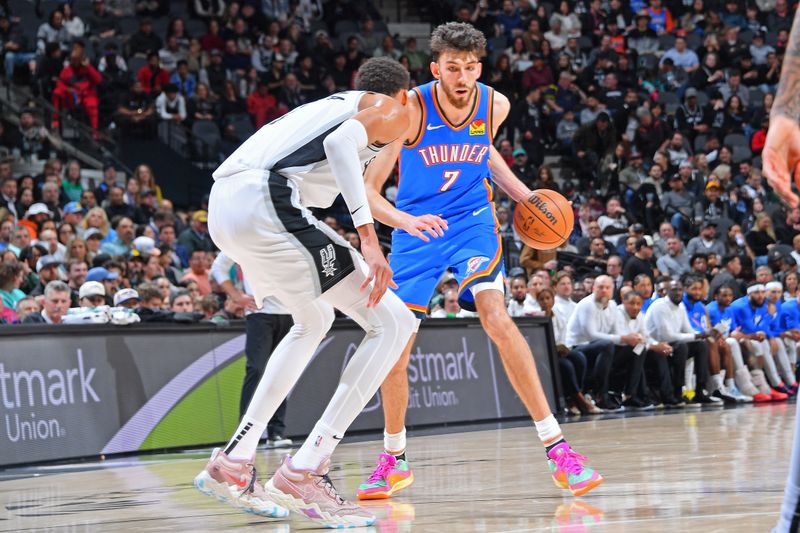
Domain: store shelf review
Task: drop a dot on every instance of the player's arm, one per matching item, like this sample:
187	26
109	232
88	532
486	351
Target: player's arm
381	120
782	149
375	177
501	174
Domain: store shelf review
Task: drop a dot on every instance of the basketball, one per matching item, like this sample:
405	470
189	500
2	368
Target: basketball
544	219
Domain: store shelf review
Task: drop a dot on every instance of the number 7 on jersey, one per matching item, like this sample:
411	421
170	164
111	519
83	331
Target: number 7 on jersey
451	176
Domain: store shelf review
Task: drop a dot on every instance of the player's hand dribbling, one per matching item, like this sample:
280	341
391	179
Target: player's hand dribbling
434	225
782	156
379	272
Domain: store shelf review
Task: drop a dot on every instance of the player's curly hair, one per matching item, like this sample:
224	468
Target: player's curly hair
382	75
458	37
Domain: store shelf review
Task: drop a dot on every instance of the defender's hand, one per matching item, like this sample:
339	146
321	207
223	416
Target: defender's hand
379	272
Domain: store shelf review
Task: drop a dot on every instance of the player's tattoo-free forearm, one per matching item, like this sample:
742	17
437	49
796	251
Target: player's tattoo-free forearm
787	99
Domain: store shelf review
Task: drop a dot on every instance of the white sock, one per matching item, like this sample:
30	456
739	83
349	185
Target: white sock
394	443
549	431
729	383
317	447
715	383
245	440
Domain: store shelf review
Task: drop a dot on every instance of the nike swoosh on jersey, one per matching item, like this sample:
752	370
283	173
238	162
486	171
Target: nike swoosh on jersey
431	127
479	211
356	210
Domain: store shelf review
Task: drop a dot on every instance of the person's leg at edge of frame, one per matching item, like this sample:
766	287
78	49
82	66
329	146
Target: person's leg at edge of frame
789	521
566	466
393	472
301	484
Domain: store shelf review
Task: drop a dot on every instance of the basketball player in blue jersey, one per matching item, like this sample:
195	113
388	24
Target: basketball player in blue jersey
446	163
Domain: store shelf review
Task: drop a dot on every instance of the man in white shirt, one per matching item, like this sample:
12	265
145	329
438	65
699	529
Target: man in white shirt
630	321
591	330
564	306
667	321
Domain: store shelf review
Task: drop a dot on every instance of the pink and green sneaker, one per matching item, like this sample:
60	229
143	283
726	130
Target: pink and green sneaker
390	477
568	471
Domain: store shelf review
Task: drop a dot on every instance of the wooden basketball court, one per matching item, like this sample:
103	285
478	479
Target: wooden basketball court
713	470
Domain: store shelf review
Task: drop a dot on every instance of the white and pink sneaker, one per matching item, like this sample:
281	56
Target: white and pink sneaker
234	481
312	494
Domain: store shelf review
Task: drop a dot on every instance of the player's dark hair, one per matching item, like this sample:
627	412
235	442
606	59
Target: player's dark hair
382	75
457	37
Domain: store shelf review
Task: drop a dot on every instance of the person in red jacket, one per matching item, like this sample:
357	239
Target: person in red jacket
77	86
262	106
760	137
152	77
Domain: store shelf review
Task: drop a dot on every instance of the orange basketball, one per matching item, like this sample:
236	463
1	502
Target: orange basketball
544	220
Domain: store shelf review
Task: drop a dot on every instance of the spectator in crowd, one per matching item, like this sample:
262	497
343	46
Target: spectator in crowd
196	237
11	278
27	306
77	86
706	242
640	262
728	276
518	304
198	271
181	302
128	298
125	233
56	304
92	294
171	105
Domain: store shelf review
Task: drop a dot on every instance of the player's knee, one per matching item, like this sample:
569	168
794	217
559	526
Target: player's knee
312	320
497	324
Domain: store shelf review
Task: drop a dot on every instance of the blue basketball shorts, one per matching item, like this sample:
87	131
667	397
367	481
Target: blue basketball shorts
471	248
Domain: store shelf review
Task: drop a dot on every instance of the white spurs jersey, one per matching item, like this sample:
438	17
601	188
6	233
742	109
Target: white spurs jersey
292	147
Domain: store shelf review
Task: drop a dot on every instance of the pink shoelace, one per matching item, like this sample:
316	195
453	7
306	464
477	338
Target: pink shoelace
385	464
570	462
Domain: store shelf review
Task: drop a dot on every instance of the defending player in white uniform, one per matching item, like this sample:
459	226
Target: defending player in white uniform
258	216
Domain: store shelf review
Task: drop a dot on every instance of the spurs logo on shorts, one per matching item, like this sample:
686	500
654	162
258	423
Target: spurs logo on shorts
328	258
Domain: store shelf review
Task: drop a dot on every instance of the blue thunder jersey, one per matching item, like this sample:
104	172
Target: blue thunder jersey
789	316
749	319
716	316
697	314
774	327
445	170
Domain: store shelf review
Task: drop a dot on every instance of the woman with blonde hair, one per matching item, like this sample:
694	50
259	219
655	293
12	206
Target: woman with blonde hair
96	218
76	249
147	180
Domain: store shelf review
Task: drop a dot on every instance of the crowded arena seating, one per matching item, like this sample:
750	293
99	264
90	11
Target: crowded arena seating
649	116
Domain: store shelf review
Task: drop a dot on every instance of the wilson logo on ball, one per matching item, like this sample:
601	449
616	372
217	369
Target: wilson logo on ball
541	205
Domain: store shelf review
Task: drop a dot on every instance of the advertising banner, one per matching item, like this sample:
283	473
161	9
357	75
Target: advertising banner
82	391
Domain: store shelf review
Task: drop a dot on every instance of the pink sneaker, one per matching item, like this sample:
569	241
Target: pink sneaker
569	472
311	494
235	482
